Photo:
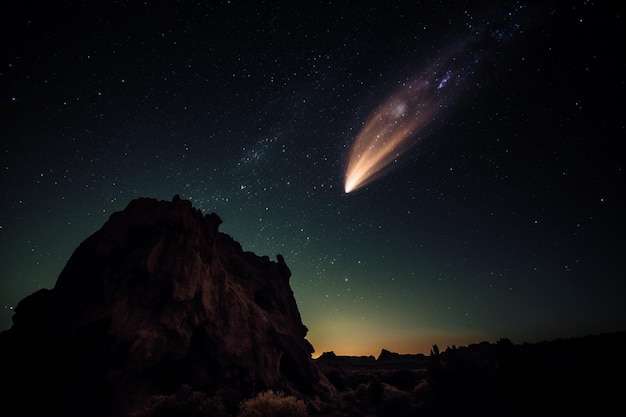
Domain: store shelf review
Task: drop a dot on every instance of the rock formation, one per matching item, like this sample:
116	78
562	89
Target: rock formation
155	299
408	361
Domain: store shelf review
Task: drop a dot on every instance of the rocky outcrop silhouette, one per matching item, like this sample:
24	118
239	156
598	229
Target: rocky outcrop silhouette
406	360
157	298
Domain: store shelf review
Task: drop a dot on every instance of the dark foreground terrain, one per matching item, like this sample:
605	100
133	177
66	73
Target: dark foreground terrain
158	313
566	377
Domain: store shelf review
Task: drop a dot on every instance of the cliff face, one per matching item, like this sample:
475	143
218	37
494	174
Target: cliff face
157	298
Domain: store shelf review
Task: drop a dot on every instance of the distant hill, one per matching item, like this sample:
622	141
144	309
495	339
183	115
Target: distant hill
386	360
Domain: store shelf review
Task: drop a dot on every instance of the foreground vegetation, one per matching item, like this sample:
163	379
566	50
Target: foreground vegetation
574	377
188	403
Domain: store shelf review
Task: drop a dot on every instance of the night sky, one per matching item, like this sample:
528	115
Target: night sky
499	214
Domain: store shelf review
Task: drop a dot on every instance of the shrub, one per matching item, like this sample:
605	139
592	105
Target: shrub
403	379
375	392
395	402
361	392
273	404
183	402
423	391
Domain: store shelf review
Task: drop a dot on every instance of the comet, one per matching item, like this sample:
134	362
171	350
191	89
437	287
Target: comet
392	128
399	123
384	136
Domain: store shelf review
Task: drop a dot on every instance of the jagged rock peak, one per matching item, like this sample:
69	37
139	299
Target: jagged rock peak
155	299
328	355
387	355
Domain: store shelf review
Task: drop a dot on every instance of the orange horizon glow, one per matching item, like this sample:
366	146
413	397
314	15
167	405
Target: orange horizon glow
356	337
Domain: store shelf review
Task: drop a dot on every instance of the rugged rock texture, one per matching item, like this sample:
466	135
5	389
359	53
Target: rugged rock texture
157	298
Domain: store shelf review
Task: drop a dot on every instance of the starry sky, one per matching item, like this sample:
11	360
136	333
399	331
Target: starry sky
503	216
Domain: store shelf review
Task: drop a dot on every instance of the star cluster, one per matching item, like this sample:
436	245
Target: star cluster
506	219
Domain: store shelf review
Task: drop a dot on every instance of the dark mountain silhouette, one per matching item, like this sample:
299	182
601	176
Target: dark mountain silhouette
156	299
329	361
